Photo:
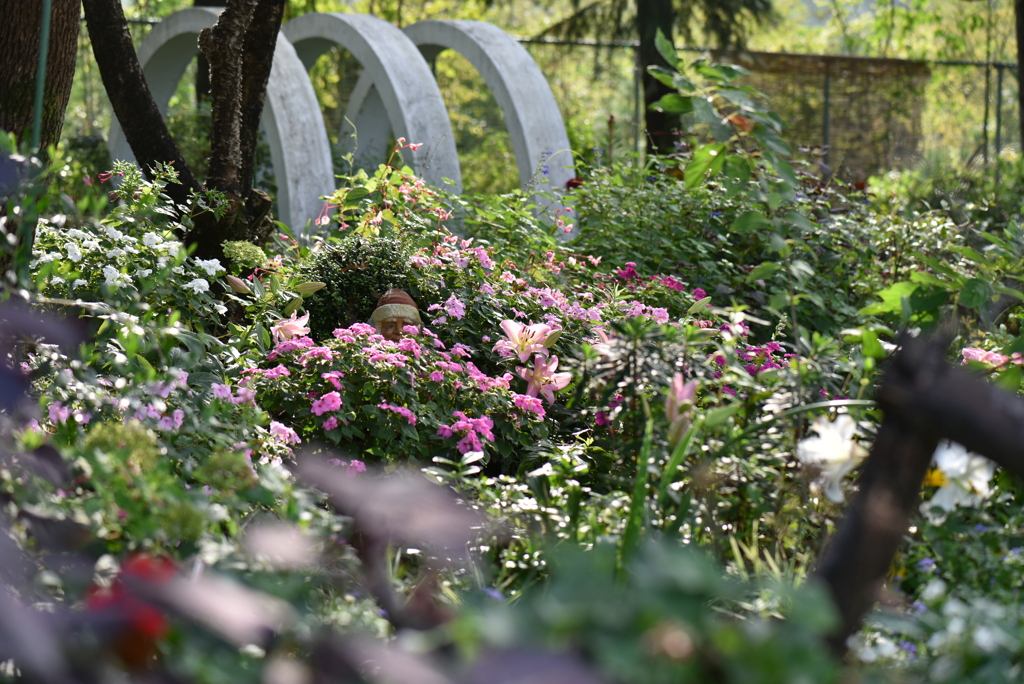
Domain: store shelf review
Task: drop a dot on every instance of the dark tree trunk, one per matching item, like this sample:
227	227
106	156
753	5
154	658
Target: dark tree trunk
203	65
133	104
258	58
20	23
652	15
1018	6
240	51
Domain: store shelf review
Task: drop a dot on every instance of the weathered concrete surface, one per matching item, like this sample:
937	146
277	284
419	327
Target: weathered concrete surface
405	98
299	148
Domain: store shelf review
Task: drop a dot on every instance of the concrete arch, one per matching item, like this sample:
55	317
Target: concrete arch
406	98
299	147
539	140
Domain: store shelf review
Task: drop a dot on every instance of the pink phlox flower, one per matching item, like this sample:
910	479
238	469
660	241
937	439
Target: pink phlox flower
578	313
462	261
673	284
59	413
486	289
172	422
740	329
400	410
437	376
461	350
485	259
628	273
328	402
282	433
472	427
289	346
316	353
680	397
359	329
988	357
543	379
287	328
409	345
333	377
633	308
390	358
244	395
699	294
659	315
342	335
523	341
154	411
221	392
437	343
531	404
455	308
410	330
330	423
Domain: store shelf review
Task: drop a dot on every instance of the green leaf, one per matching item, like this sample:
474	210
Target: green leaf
749	221
666	50
1010	378
737	173
701	163
891	299
871	346
631	536
763	271
673	104
718	416
699	306
975	293
785	172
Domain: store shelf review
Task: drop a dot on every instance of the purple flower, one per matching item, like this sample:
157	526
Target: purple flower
699	294
59	413
926	564
222	392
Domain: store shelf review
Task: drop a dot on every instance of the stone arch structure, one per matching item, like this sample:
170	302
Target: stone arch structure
539	141
406	99
295	130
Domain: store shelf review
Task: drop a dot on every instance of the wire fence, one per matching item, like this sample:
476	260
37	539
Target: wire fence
866	116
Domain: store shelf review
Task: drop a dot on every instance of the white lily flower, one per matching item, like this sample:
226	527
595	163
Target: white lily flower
832	451
963	477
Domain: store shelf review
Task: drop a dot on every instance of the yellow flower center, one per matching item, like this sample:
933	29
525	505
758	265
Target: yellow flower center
936	478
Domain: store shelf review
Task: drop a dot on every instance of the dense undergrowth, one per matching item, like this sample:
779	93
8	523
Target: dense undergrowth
694	372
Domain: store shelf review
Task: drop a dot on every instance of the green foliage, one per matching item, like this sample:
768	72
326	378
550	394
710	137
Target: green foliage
357	272
244	255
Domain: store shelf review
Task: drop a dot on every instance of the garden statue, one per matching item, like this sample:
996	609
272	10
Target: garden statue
395	310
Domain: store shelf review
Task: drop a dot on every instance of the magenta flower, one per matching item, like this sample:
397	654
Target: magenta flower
699	294
222	392
330	423
437	376
531	404
543	379
328	402
400	410
287	328
523	341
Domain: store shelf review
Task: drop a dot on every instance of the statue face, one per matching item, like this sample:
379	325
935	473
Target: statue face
391	328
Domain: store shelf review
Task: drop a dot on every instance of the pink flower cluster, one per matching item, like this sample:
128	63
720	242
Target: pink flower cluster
282	433
242	395
352	468
471	429
636	308
328	402
400	410
528	403
991	358
289	346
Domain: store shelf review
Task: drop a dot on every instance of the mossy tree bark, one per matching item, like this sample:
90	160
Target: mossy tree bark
20	23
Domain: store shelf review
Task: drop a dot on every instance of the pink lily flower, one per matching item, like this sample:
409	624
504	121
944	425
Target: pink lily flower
680	397
524	340
287	328
543	379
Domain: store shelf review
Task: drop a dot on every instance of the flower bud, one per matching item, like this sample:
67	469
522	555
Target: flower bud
309	288
237	284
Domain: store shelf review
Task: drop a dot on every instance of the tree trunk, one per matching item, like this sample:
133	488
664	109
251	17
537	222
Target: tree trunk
258	58
652	15
133	104
20	22
1018	6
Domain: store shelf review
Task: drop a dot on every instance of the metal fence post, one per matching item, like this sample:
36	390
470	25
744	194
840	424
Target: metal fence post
825	123
999	116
